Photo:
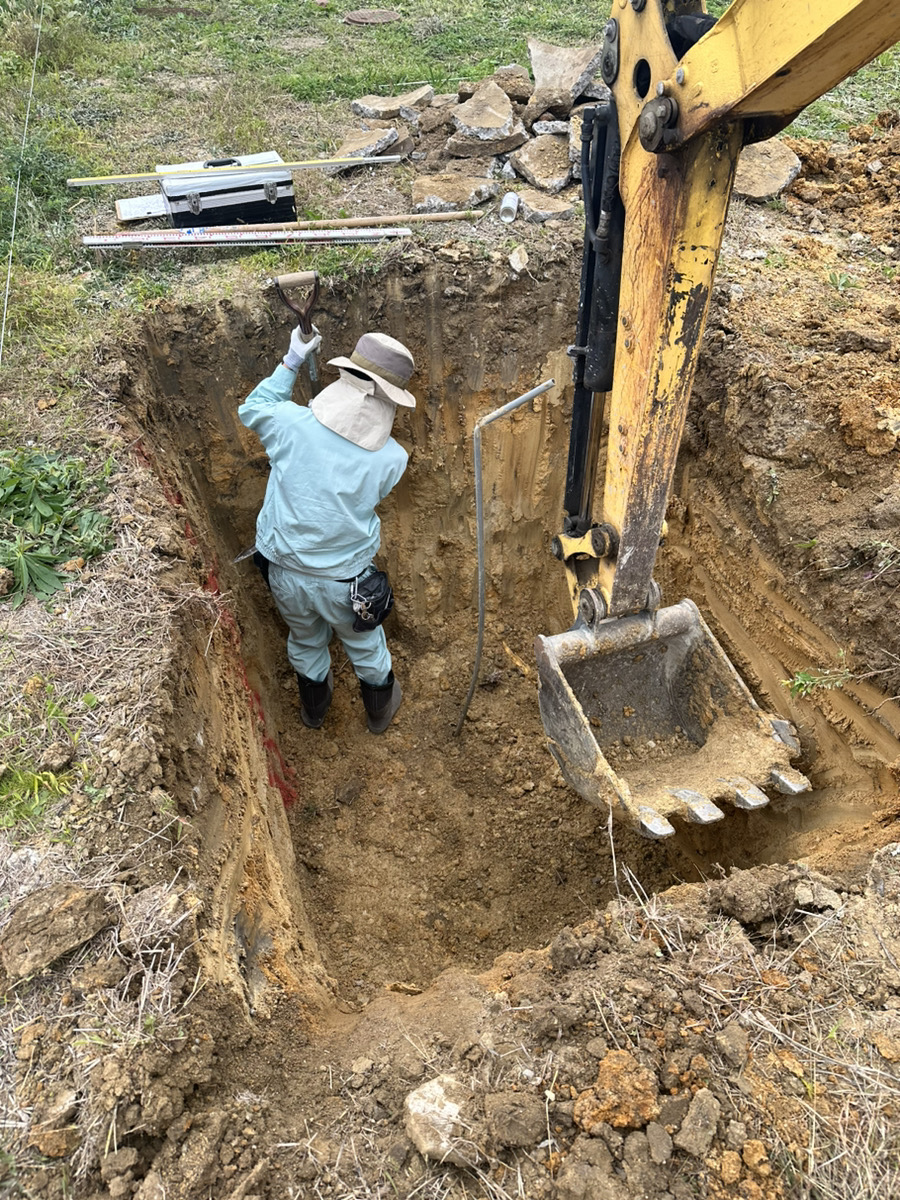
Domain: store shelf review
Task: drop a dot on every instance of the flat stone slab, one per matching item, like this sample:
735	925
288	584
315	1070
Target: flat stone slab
47	924
563	68
544	162
538	207
487	116
451	192
362	143
765	169
462	146
515	81
385	107
560	128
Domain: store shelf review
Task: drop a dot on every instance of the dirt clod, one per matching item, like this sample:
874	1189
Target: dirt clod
625	1095
699	1126
46	925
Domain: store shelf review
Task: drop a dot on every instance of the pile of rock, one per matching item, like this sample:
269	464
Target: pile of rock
472	144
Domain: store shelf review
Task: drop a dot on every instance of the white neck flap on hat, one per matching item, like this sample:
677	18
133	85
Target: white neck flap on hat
352	408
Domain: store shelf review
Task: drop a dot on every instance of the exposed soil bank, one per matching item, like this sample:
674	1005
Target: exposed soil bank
419	851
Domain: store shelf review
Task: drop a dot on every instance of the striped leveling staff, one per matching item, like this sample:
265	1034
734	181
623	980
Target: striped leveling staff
204	235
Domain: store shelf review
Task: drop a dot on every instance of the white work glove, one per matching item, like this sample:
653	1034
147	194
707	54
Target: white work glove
301	347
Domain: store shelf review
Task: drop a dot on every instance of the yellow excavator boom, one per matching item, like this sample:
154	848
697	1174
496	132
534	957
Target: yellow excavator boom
686	93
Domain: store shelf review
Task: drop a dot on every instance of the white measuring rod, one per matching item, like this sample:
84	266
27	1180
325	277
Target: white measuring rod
208	236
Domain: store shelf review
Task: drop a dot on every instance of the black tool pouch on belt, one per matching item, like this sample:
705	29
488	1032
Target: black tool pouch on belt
372	600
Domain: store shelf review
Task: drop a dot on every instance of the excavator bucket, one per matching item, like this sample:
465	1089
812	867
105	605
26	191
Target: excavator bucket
645	713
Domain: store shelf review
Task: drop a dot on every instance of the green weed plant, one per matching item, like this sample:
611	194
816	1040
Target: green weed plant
45	519
25	794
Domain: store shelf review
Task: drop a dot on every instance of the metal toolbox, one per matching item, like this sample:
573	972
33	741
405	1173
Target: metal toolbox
261	198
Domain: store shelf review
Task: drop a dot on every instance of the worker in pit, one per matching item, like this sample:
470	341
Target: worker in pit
317	532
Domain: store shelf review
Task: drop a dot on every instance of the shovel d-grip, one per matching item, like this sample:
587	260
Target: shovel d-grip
308	279
645	713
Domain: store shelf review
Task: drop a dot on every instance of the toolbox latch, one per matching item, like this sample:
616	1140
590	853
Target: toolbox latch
270	191
194	203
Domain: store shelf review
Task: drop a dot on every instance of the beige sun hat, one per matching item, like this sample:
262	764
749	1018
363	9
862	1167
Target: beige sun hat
385	360
353	408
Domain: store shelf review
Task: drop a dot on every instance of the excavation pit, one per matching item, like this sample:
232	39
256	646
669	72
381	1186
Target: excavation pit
338	859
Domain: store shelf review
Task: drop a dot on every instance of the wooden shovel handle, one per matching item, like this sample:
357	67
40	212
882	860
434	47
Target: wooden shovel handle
298	279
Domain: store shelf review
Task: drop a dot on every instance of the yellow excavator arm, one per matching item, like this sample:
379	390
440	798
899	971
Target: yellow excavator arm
658	165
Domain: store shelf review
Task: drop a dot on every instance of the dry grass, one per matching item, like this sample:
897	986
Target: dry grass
146	1007
819	1086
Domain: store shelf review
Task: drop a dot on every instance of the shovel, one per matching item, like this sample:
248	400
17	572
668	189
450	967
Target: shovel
308	279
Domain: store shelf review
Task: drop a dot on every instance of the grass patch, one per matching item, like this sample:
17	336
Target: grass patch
26	793
858	100
120	86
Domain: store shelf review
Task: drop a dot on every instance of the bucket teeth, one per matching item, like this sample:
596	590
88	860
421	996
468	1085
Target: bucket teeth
789	782
746	795
785	733
697	807
653	825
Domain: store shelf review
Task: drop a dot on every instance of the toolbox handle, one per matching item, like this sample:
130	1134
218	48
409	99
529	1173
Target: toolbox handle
222	162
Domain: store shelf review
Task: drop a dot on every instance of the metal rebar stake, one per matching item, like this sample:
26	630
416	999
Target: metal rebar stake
479	530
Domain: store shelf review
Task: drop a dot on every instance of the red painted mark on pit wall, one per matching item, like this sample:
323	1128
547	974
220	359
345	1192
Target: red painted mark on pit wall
280	775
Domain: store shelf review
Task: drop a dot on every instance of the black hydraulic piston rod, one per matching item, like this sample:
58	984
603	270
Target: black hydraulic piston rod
598	306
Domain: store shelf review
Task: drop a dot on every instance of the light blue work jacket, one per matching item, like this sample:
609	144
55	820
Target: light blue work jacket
318	514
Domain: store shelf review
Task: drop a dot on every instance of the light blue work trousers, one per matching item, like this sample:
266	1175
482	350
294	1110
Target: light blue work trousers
313	608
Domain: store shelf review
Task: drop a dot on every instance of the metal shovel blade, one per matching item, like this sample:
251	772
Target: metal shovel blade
647	714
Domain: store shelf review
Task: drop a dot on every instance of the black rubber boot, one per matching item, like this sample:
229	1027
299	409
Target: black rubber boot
315	699
381	703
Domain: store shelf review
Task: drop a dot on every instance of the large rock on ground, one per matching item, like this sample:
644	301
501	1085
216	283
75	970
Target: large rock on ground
435	1123
699	1126
547	104
434	117
515	81
363	143
765	169
544	162
487	116
47	924
461	145
385	107
537	207
563	68
449	192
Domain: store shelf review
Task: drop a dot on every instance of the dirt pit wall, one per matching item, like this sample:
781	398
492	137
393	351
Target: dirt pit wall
420	849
